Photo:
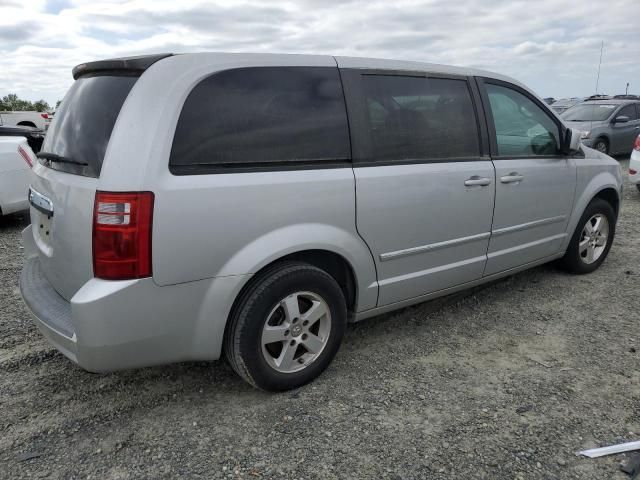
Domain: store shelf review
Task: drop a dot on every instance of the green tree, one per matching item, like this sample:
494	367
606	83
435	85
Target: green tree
11	103
41	106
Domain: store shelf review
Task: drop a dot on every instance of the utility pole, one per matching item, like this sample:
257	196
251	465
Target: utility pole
626	92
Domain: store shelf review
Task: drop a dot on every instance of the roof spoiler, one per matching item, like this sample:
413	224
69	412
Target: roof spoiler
127	64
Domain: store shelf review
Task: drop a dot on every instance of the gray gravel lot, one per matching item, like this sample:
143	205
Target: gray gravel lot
505	382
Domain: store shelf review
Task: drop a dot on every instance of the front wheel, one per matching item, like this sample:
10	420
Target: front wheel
592	238
286	327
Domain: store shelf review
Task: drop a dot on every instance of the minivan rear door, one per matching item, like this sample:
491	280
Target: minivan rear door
424	191
535	183
66	177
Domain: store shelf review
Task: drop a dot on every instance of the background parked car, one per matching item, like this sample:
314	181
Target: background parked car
34	136
627	96
40	120
609	126
563	104
16	160
549	100
634	164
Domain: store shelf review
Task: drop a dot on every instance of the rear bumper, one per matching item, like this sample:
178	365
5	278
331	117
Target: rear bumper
111	325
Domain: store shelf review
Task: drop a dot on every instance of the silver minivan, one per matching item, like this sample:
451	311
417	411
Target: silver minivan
190	206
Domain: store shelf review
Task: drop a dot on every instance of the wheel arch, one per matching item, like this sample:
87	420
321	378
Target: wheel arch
603	185
27	124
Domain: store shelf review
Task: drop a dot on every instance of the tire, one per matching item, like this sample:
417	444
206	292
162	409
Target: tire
576	259
284	301
602	145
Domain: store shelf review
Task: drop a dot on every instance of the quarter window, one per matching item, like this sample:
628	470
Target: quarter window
419	118
522	127
263	116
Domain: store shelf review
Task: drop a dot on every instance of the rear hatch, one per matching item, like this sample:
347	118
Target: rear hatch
66	178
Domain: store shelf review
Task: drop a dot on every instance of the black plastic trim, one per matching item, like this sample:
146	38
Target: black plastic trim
210	169
125	65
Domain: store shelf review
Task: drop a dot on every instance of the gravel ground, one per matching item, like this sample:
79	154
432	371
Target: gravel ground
504	382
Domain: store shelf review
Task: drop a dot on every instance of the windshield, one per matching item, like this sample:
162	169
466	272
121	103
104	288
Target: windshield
589	112
82	126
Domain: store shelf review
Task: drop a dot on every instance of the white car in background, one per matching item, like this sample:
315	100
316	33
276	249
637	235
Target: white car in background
16	160
634	164
40	120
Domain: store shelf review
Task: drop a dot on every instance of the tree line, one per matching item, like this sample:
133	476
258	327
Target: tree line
11	103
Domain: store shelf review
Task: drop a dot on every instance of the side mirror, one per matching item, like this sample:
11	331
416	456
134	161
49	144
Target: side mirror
572	141
621	119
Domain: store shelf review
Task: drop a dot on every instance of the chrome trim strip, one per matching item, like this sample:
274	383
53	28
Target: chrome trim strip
525	226
40	202
432	246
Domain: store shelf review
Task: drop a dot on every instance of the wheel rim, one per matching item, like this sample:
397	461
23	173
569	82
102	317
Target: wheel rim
296	332
601	147
593	239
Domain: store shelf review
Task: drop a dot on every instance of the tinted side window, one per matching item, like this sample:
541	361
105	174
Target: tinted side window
522	127
628	111
419	118
266	115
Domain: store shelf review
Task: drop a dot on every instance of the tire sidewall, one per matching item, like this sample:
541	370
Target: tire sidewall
575	261
261	302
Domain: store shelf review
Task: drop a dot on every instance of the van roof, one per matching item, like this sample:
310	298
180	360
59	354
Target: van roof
140	63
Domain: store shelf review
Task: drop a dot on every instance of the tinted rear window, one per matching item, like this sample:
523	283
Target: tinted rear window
85	120
264	116
419	118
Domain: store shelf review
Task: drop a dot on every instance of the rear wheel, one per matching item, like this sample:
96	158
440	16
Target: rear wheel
592	239
286	327
601	145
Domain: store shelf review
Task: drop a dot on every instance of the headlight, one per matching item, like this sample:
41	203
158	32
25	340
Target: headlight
584	135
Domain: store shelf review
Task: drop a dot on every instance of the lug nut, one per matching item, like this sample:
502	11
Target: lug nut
286	333
292	342
305	323
304	336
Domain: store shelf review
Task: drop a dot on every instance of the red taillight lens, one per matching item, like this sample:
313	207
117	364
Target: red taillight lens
122	235
636	146
44	115
25	156
632	171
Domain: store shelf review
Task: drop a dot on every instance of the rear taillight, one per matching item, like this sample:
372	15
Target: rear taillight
636	146
632	171
25	156
122	235
44	115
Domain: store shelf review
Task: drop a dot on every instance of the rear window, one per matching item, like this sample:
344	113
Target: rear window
416	118
83	124
262	117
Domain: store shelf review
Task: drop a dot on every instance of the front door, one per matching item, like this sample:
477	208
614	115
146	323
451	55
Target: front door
623	134
535	183
424	192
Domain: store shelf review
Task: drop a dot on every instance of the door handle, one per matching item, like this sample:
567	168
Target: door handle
513	177
477	181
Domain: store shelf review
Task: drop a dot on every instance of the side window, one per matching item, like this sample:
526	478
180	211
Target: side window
419	118
628	111
261	116
522	127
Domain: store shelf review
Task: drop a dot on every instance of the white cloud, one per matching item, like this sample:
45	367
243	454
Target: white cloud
552	47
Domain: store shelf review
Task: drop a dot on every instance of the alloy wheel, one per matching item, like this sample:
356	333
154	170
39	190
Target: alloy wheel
296	332
593	239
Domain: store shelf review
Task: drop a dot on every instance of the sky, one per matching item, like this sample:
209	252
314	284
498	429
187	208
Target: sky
552	46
